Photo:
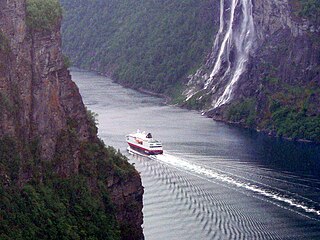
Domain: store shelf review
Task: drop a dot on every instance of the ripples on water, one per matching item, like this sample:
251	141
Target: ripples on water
214	181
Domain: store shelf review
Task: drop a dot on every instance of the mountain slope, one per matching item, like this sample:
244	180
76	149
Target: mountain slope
57	179
142	44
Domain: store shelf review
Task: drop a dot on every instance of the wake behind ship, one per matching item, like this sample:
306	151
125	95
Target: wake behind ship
144	143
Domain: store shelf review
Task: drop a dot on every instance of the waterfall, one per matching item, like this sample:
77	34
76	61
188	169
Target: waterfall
235	34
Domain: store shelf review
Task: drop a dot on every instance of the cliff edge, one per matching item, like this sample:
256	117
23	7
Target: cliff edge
45	130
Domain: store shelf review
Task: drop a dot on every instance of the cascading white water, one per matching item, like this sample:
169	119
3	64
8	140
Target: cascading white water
238	37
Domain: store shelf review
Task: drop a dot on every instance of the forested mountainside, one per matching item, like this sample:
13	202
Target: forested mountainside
57	179
249	62
142	44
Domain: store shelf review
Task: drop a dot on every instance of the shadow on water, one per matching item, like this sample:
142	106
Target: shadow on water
297	157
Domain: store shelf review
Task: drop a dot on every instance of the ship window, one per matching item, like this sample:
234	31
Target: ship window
149	135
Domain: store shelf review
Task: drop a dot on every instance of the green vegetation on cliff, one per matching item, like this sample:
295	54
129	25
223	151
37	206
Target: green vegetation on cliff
293	112
289	122
43	14
310	9
147	44
56	209
244	112
50	206
290	112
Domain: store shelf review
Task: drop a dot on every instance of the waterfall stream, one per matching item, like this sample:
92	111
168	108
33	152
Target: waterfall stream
236	36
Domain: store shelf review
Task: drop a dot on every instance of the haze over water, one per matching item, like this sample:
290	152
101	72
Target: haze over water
214	181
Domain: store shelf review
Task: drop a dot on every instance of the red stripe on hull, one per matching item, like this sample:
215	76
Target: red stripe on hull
146	151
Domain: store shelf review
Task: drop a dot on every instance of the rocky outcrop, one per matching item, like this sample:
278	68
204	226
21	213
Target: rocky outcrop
37	81
127	198
287	42
39	102
282	68
286	55
275	27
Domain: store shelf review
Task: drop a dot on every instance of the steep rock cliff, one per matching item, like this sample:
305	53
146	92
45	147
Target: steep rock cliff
36	83
43	115
267	75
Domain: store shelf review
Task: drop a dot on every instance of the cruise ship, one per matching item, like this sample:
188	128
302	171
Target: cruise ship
144	143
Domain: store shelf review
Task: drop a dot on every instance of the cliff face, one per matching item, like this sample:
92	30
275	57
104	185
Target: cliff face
258	33
36	84
127	198
263	71
39	103
287	47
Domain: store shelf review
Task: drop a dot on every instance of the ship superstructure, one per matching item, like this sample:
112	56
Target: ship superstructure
144	143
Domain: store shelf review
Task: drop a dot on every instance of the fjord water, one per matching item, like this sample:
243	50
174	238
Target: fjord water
214	181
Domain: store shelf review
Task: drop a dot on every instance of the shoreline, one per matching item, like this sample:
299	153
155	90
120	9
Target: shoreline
167	100
161	95
264	132
140	89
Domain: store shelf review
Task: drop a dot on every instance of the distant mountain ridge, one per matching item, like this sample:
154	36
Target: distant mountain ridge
249	62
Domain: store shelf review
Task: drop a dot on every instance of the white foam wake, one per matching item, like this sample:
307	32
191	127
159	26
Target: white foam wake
210	173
